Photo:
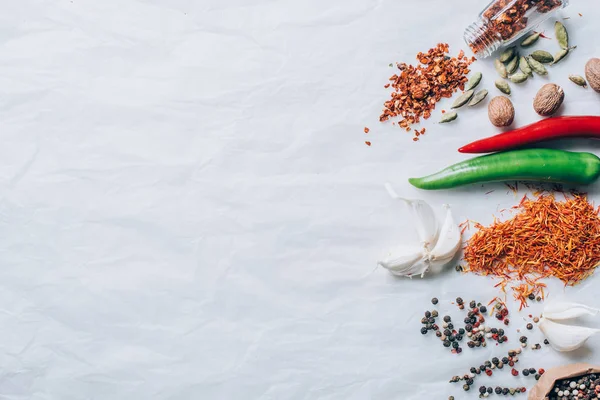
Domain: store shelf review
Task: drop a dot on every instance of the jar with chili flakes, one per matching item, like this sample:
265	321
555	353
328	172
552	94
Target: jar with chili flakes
503	22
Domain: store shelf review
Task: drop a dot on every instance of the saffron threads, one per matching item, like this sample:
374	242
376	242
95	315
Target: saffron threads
547	238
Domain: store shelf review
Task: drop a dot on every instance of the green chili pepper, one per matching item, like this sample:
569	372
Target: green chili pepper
544	165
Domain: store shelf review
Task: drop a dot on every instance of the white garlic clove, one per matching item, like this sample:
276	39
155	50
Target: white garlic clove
404	260
560	310
565	337
449	241
424	217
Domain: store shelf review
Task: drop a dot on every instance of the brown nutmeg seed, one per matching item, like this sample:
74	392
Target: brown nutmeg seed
592	73
501	111
548	99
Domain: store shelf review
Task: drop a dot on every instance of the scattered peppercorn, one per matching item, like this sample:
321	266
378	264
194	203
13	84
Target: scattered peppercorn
447	318
447	343
525	372
546	342
473	304
532	371
530	326
506	321
434	314
459	300
434	301
466	387
423	330
523	339
498	390
531	296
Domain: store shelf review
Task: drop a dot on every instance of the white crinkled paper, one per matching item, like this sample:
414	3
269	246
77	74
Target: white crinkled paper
188	209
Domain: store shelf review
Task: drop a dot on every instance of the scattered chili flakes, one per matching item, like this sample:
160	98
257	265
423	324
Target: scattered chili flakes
580	14
547	238
366	130
417	89
367	143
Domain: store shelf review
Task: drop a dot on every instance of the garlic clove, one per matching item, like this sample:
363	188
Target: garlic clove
449	241
560	310
565	337
424	217
404	260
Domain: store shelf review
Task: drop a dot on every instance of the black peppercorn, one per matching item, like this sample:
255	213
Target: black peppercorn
531	296
427	314
466	387
532	371
523	339
461	331
459	337
455	345
473	369
482	368
495	361
424	320
447	318
429	327
470	381
483	309
471	344
447	332
467	320
546	341
434	313
459	300
450	326
447	343
525	372
498	316
434	301
459	350
498	390
512	353
438	334
423	330
490	390
452	338
473	304
482	389
505	391
537	377
530	326
506	321
488	364
468	327
505	360
500	332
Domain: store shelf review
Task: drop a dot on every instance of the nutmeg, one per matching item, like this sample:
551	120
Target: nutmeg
548	99
501	111
592	73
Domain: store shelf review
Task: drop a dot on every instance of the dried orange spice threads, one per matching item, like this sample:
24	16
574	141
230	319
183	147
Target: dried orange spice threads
547	238
417	89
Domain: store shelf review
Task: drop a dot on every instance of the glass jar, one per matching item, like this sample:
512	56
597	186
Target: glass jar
503	22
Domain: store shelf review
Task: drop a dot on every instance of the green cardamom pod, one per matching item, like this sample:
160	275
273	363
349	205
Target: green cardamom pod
537	67
478	97
562	54
529	40
524	66
519	77
474	81
578	80
463	99
448	117
502	86
500	68
507	54
512	66
561	34
542	56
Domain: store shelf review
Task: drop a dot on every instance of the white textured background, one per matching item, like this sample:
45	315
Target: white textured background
188	209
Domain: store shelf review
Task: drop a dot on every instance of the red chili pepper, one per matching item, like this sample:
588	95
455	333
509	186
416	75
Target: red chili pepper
547	129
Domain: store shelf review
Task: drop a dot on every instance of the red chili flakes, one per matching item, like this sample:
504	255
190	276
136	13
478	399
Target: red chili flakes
367	143
366	130
418	88
509	17
387	85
